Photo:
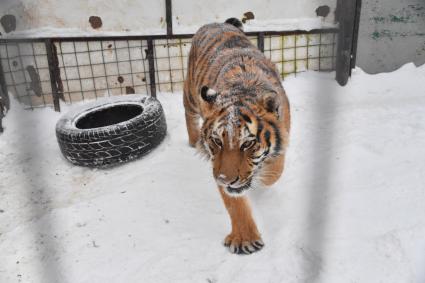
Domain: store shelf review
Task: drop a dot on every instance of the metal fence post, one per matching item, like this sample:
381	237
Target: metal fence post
260	41
53	72
169	17
356	34
4	97
347	15
151	62
1	112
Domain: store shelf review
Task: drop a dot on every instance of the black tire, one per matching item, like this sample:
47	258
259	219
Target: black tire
110	131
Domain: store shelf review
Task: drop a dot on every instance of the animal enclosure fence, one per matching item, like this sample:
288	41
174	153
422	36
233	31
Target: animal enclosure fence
40	72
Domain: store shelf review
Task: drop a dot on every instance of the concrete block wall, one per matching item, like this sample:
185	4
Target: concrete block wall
391	34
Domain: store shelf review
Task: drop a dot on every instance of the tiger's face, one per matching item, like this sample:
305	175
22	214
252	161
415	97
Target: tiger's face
238	139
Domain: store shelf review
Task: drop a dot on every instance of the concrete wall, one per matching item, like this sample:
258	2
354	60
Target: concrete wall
71	17
49	18
267	14
392	33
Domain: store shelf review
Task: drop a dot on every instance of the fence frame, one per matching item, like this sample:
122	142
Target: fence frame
345	56
52	54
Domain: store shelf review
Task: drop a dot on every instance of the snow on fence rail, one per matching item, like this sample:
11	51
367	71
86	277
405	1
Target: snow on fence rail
39	72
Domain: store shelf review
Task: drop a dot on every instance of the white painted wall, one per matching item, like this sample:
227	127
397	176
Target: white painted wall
37	18
71	17
279	15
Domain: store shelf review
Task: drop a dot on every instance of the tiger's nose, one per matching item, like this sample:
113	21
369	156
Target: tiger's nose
225	180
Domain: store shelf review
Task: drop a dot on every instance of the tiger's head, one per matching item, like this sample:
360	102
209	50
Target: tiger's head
239	135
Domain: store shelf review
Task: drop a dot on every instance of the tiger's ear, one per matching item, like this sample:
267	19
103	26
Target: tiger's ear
271	103
208	94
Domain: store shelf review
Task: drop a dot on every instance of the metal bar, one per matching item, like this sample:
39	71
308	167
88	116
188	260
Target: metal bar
151	63
91	68
308	47
320	51
14	84
18	48
159	36
1	111
260	41
118	67
53	69
65	73
131	68
169	17
104	67
346	16
4	98
355	34
144	67
181	59
333	51
295	55
36	67
58	78
282	43
294	32
169	66
78	71
155	59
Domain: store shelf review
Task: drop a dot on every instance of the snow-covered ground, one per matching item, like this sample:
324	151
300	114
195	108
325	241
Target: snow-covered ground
350	207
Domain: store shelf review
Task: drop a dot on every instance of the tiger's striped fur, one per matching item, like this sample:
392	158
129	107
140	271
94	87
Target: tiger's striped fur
238	94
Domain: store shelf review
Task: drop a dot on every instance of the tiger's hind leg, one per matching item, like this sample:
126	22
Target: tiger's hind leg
192	118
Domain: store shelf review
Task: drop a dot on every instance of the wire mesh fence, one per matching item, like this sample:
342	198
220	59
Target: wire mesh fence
26	72
300	52
91	69
87	68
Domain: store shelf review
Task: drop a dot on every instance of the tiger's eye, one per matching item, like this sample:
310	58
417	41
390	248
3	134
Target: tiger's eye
247	145
217	142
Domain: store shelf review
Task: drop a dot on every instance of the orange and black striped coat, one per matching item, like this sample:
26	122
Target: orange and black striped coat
237	93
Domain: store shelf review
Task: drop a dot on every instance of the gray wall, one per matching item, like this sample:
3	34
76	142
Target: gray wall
392	33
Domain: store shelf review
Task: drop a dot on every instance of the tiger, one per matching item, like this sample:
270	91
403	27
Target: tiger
238	116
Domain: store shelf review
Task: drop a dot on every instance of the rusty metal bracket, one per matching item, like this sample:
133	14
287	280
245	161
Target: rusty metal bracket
151	63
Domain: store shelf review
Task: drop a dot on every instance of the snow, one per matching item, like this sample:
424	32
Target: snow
349	208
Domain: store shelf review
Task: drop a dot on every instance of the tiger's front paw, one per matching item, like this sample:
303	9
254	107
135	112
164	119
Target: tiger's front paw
240	244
